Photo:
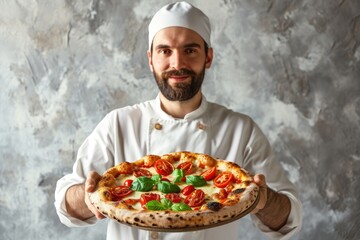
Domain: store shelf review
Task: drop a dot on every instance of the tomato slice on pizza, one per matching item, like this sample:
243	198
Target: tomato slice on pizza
142	172
120	191
196	198
187	167
209	174
146	197
223	179
187	190
163	167
173	197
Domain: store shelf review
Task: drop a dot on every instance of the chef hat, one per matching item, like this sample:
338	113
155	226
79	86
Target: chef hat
180	14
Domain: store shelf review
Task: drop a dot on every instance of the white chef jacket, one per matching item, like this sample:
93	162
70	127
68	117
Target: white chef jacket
129	133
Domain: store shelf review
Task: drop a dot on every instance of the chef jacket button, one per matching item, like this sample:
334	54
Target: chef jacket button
154	235
201	126
158	126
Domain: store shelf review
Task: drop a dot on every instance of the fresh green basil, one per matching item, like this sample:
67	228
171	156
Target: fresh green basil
168	187
178	207
195	180
142	184
178	175
167	203
155	205
156	178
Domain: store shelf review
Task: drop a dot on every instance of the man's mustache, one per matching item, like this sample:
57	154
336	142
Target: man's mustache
180	72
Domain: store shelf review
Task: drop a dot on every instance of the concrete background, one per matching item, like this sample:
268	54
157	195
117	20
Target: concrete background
292	65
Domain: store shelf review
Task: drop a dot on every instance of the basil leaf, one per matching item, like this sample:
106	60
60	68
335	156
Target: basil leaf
178	207
168	187
142	184
154	205
178	174
195	180
156	178
167	203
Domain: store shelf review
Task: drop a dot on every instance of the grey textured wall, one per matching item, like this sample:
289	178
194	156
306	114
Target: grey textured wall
292	65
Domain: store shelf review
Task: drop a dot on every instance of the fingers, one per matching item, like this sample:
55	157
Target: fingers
91	181
99	216
90	184
259	179
93	209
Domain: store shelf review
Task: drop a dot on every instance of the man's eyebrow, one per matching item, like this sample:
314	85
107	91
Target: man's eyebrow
162	46
188	45
192	45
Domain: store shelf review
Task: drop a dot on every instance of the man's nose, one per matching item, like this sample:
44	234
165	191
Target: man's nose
177	60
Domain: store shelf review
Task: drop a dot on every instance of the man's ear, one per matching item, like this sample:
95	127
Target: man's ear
150	61
209	58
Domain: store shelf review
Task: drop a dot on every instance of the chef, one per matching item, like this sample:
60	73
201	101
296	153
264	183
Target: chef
180	119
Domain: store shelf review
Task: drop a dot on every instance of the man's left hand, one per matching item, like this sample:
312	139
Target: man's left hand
259	179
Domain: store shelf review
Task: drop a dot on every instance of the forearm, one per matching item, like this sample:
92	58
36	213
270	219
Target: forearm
276	210
75	202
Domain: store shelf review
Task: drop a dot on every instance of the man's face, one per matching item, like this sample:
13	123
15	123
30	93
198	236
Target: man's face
178	62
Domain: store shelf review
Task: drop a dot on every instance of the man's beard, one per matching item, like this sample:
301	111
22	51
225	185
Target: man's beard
182	91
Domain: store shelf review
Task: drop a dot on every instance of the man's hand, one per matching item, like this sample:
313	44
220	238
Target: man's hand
77	200
259	179
91	181
273	208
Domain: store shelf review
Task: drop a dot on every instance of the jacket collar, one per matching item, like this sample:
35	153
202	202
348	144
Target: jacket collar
197	113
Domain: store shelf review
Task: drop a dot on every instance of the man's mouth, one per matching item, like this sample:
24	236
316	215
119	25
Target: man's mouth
178	75
179	78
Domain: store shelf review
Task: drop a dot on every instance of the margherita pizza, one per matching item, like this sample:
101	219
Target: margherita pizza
178	191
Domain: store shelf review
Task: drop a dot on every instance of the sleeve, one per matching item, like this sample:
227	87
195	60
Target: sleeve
95	154
259	159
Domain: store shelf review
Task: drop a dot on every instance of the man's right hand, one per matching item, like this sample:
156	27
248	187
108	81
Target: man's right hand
91	181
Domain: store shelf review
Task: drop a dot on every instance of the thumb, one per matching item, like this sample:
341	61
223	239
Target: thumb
91	181
259	179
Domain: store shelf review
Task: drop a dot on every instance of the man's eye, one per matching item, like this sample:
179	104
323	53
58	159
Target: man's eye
164	51
190	50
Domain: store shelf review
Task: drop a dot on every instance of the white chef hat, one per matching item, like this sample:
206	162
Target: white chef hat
180	14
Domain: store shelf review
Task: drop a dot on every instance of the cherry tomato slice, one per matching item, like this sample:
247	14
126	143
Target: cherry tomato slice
120	191
188	189
223	179
128	183
142	172
187	167
146	197
163	167
174	197
196	198
209	174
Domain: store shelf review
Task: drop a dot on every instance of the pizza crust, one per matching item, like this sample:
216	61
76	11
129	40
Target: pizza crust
241	201
170	220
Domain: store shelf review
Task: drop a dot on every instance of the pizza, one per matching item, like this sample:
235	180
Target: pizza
178	191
